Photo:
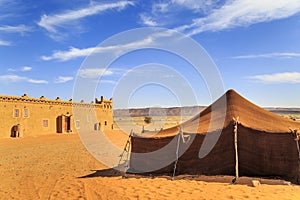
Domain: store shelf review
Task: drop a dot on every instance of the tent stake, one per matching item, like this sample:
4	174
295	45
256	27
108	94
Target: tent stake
235	130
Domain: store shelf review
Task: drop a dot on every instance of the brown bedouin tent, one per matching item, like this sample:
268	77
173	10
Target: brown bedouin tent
230	137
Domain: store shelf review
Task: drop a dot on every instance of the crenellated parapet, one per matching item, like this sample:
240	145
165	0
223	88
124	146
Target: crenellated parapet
106	104
103	104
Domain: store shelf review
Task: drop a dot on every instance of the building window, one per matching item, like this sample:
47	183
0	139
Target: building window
105	123
45	123
16	113
26	112
77	123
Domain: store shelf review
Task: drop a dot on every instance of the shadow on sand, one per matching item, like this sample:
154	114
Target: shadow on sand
219	179
119	172
103	173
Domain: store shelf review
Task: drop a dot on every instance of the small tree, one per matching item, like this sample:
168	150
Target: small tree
148	120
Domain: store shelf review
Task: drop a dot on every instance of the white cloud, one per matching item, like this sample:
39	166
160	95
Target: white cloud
194	4
93	73
73	53
285	77
175	6
22	69
11	8
8	78
52	22
269	55
5	43
15	29
26	68
11	70
147	20
241	13
35	81
12	78
108	81
63	79
168	12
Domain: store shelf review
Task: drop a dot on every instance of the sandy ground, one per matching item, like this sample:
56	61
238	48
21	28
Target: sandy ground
59	167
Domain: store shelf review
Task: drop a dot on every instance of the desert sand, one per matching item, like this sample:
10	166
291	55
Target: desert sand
59	167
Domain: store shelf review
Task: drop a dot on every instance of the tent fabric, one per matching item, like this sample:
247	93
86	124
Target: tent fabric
230	105
266	147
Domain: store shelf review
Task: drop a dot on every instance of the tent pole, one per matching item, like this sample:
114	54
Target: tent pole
235	130
297	141
128	153
177	151
296	136
127	149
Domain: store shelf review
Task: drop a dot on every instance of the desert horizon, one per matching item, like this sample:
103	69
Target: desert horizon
160	99
60	166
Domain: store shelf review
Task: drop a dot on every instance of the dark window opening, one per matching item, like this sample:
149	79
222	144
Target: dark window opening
16	112
45	123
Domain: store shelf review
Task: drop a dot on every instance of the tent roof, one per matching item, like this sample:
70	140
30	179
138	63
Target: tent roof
219	114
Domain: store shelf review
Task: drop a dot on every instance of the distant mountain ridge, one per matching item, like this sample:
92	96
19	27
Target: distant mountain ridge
185	111
283	111
156	111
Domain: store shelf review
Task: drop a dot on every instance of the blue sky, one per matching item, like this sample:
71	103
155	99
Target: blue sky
255	45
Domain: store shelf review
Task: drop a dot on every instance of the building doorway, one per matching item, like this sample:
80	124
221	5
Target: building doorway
63	124
67	124
59	124
97	126
14	132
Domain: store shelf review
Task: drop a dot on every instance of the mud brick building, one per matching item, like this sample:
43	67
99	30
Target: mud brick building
24	116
